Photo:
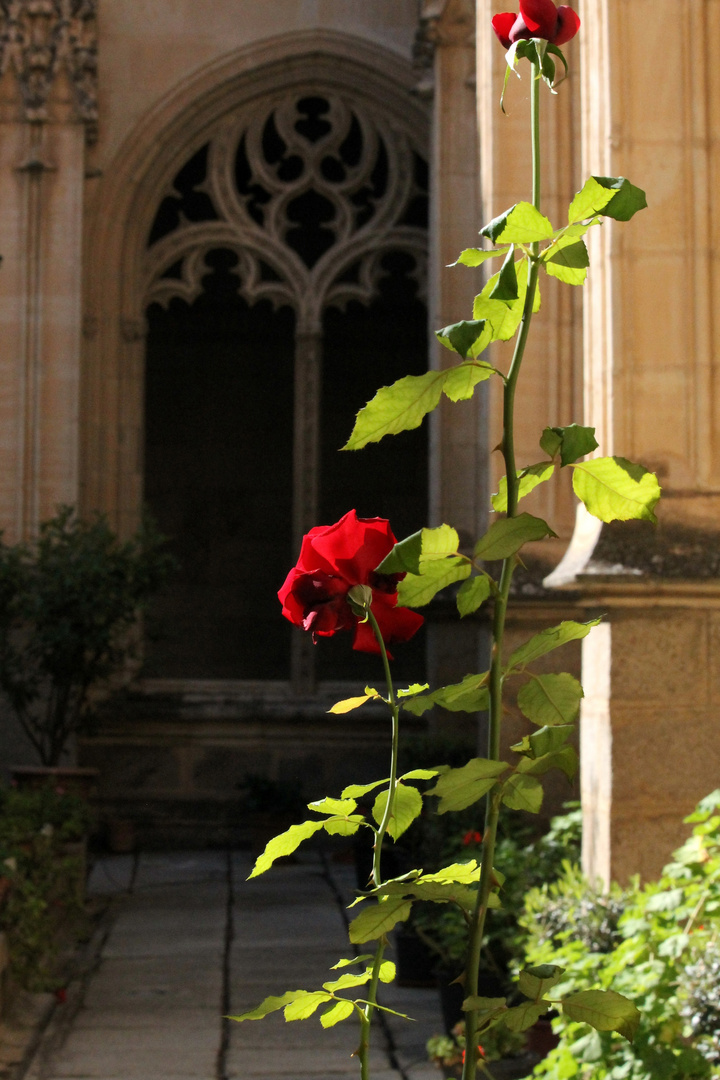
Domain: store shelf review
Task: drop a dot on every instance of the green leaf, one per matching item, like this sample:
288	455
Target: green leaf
435	892
569	262
460	381
462	787
411	691
348	981
605	1010
473	593
333	806
627	200
400	407
417	590
305	1004
408	554
545	741
420	774
521	224
346	706
573	442
356	791
285	844
408	806
387	971
379	919
566	760
505	317
507	536
339	1011
522	793
590	200
550	699
484	1006
344	826
534	982
353	960
460	337
506	286
522	1017
547	640
269	1005
529	478
470	695
476	256
614	489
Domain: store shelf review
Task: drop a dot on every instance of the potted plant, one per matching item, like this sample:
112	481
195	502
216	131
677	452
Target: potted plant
68	604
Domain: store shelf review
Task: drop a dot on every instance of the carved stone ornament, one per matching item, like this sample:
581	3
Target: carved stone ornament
442	22
41	38
310	191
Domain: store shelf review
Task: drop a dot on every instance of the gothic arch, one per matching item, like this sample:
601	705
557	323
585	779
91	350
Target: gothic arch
363	85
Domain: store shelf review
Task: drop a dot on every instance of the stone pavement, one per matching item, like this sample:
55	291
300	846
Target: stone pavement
191	942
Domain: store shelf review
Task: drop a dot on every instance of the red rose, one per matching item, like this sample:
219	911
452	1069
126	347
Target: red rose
537	19
333	559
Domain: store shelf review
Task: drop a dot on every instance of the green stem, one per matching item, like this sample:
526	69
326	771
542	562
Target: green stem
494	797
364	1048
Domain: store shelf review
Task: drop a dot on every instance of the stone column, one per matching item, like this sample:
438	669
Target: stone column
47	111
650	736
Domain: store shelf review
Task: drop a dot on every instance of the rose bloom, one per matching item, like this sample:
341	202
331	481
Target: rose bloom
537	19
333	559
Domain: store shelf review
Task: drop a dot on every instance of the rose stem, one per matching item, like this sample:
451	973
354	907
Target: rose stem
364	1048
492	806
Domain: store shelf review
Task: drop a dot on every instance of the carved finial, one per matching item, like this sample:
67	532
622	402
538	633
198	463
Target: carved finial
41	38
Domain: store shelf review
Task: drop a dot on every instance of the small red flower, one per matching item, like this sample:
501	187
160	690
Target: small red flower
472	837
333	559
537	19
61	995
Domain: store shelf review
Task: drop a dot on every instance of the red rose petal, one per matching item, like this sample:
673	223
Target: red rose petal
541	17
502	25
568	25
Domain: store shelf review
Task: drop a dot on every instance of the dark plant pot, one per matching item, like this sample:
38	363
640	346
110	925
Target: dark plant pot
541	1038
79	781
416	963
452	995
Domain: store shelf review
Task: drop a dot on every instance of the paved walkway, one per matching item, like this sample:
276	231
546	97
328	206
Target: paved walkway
192	941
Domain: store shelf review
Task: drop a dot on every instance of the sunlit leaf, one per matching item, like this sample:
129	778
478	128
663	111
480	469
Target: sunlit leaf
379	919
547	640
305	1004
521	1017
590	200
614	489
469	695
523	793
417	590
356	791
569	262
285	844
347	981
461	337
473	593
528	480
521	224
333	806
550	699
340	1011
626	201
269	1005
407	806
506	286
565	759
534	982
605	1010
507	536
476	256
572	442
504	318
346	706
462	787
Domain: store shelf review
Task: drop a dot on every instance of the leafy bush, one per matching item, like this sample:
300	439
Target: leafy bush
67	605
656	943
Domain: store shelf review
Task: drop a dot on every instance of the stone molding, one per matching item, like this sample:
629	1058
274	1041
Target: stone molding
40	40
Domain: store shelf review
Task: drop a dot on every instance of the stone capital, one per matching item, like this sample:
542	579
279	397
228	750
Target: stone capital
48	56
443	22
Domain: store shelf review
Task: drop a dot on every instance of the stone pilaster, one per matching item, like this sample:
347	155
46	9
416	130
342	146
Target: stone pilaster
47	113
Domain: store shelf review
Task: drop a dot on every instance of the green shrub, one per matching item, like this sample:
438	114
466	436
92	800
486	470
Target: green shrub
657	944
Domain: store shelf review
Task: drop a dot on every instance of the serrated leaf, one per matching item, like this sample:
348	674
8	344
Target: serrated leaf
459	788
407	806
550	699
528	480
546	740
504	318
333	806
534	982
420	774
523	793
340	1011
547	640
522	1017
507	536
470	695
411	691
400	407
435	892
565	759
461	380
379	919
605	1010
269	1005
305	1004
348	980
404	556
521	224
353	960
573	442
348	704
463	872
627	200
343	826
387	971
484	1005
569	262
356	791
416	590
439	542
460	337
506	286
476	256
472	594
285	844
590	200
614	489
